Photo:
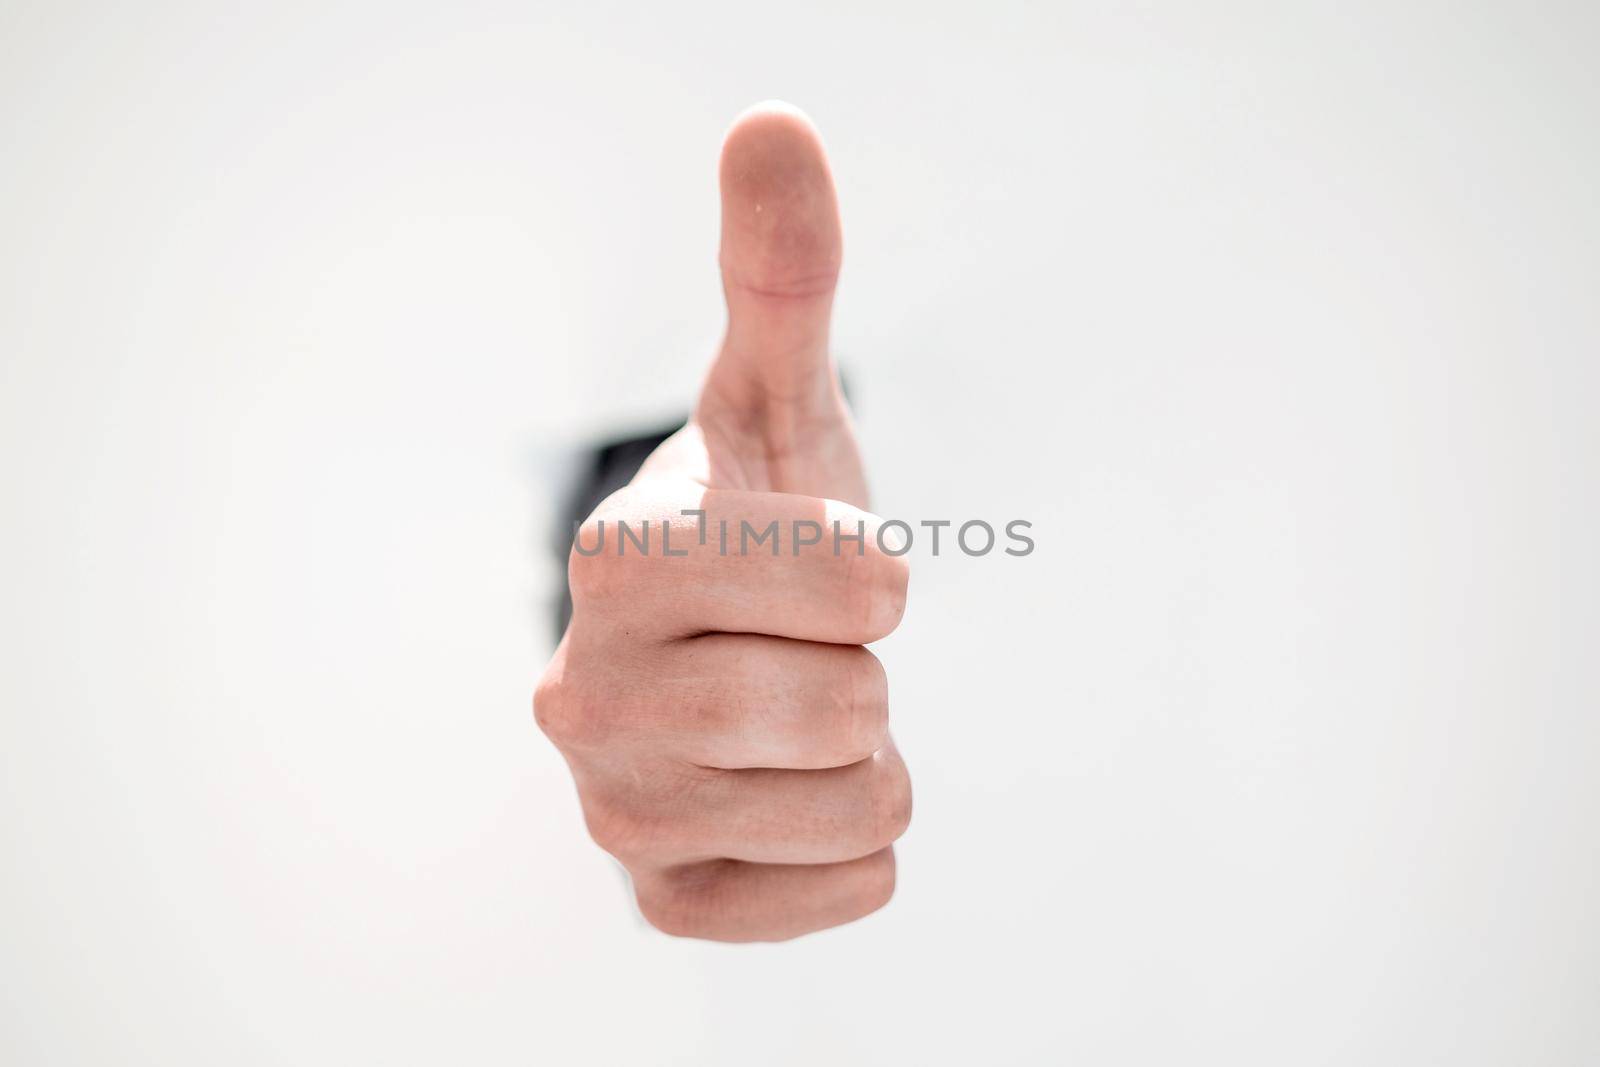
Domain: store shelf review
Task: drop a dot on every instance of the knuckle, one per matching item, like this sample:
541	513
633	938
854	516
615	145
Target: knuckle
551	710
864	706
592	577
662	910
612	549
878	886
613	826
875	591
893	579
890	798
565	716
640	815
673	909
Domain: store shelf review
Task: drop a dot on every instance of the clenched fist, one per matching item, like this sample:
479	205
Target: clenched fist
727	730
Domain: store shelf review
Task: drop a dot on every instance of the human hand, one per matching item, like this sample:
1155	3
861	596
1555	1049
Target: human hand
726	729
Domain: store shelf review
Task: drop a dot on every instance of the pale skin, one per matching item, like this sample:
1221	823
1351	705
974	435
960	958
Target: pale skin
724	723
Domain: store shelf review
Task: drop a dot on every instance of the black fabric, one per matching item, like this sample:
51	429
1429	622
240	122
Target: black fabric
610	467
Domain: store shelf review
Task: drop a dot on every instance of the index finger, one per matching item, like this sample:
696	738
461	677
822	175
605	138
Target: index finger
681	560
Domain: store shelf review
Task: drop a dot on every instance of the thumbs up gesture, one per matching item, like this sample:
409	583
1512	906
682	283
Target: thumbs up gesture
725	726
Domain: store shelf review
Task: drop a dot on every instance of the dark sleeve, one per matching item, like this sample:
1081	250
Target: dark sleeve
608	468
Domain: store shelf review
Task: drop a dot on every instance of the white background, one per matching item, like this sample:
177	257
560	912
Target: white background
1277	320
